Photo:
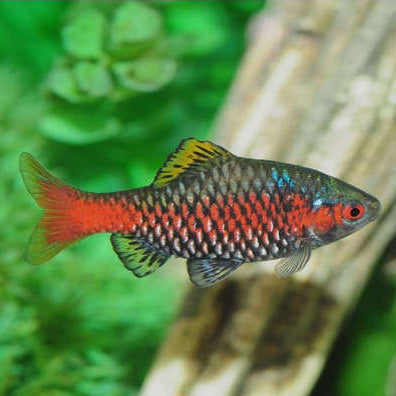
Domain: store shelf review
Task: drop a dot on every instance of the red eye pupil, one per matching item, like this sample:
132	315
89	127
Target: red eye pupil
355	212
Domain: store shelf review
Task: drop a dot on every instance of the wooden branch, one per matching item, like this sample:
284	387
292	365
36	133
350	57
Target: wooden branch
317	87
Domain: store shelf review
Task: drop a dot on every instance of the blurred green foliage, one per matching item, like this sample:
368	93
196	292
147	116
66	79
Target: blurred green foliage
101	96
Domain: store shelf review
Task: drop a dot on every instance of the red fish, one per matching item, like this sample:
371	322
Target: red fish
207	205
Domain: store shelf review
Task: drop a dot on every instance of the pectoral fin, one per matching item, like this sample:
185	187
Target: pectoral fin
208	272
294	263
138	256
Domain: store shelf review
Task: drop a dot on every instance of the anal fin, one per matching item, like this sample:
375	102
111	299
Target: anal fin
294	263
208	272
138	256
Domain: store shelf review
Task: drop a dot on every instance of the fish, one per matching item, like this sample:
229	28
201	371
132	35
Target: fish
207	205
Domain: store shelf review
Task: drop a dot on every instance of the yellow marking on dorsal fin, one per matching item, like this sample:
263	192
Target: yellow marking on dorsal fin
191	155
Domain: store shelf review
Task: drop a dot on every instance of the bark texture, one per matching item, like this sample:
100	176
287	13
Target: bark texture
317	87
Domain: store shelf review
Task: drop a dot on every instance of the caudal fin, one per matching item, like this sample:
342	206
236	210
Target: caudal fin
55	230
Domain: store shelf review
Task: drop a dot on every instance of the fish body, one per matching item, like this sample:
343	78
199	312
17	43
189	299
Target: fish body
207	205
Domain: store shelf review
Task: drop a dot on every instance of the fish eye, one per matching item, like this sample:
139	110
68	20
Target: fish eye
353	212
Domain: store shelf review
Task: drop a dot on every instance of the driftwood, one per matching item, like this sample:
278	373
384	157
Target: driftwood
317	87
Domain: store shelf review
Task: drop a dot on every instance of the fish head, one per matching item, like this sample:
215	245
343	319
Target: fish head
345	210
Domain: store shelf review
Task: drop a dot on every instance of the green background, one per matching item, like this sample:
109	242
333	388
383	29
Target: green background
101	97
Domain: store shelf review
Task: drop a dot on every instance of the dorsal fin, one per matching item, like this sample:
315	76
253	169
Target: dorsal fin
191	155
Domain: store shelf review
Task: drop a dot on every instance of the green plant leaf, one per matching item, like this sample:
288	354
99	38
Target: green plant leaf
93	79
205	24
61	82
135	25
146	74
83	36
79	126
84	82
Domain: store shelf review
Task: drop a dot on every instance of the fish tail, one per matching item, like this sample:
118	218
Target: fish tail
56	229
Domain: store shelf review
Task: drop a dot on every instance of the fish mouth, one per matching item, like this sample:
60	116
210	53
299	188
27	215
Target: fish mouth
375	208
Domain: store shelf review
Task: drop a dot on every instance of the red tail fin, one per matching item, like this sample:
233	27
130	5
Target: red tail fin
54	232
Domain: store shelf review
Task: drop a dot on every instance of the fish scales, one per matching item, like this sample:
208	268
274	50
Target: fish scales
258	223
207	205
